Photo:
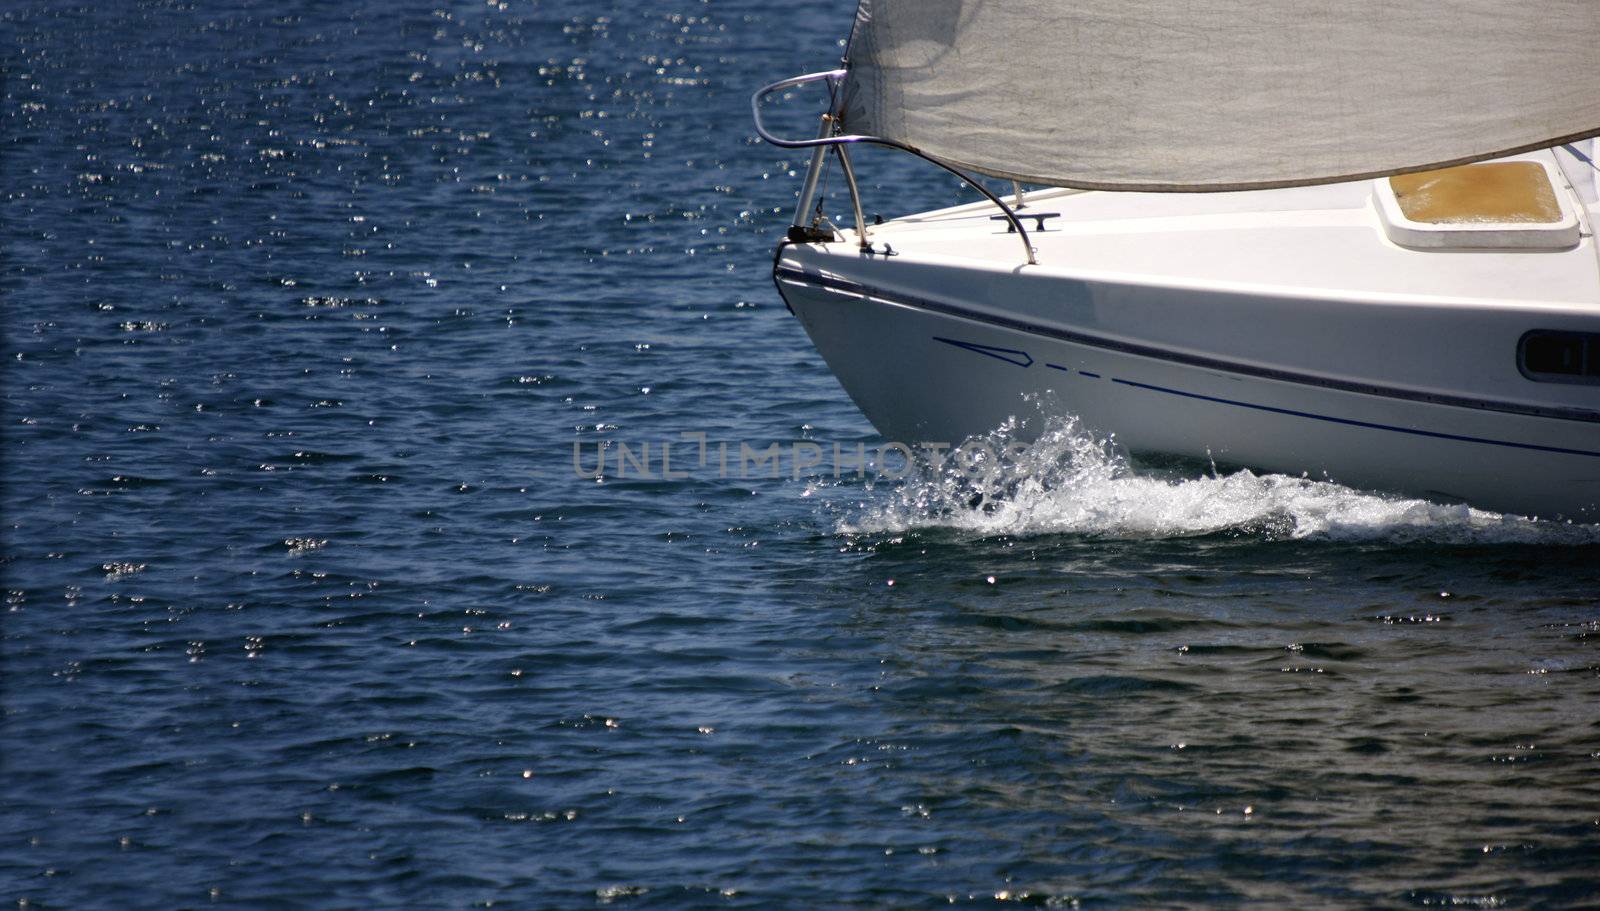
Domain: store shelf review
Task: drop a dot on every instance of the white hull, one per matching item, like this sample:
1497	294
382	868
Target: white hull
1402	376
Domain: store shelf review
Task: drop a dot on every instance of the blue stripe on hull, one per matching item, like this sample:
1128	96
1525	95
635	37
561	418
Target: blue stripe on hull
1355	423
837	284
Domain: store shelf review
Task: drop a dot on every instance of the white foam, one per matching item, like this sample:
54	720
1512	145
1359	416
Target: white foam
1069	482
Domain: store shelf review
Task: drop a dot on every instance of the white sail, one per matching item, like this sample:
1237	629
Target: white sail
1221	94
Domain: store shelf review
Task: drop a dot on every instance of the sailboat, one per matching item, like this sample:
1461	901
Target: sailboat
1347	241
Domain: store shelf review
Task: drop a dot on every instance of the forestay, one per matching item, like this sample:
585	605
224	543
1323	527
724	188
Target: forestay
1221	94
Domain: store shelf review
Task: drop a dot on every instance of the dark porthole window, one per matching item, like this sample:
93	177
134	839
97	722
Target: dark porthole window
1552	356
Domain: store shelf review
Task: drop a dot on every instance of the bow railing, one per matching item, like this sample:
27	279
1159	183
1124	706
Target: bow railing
828	138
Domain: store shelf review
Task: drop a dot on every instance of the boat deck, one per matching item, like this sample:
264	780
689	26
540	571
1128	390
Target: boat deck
1294	243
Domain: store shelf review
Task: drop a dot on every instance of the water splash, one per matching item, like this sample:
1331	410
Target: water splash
1069	481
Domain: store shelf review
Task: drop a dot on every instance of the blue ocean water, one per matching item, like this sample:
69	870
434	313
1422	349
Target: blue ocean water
317	318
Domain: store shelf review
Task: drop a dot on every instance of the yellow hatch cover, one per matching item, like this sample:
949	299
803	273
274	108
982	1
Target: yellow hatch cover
1501	192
